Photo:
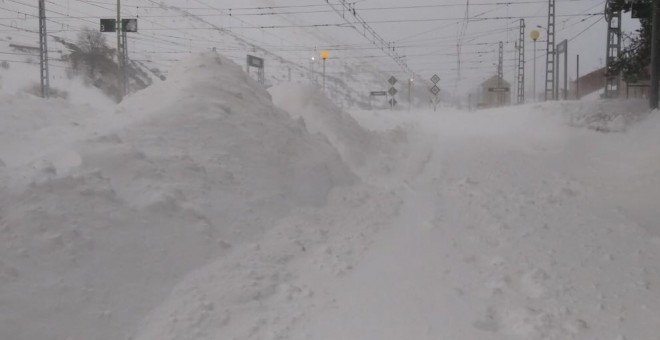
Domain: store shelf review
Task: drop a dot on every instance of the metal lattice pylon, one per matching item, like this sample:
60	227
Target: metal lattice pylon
500	73
521	63
121	54
550	54
612	82
500	64
43	47
124	63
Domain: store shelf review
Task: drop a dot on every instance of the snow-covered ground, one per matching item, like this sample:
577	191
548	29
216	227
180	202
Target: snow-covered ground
206	209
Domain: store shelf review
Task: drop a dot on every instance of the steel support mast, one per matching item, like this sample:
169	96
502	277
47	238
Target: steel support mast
521	63
120	52
655	58
550	54
124	48
500	73
613	18
43	48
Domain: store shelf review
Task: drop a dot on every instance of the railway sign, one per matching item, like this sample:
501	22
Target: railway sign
108	25
435	90
393	102
498	89
392	80
562	47
435	79
127	25
260	65
255	61
393	92
378	93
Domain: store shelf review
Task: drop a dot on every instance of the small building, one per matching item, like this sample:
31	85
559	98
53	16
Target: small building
596	80
494	92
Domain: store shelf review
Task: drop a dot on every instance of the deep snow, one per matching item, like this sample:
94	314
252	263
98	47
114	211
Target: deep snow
199	209
95	234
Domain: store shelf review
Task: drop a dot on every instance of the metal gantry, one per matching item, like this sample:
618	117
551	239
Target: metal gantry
43	48
521	63
550	54
613	18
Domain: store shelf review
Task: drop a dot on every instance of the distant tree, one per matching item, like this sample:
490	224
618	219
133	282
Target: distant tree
92	54
92	58
637	54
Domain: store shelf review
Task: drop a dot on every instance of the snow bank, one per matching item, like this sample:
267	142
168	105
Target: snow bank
91	239
324	117
271	287
522	226
377	156
516	226
32	129
600	115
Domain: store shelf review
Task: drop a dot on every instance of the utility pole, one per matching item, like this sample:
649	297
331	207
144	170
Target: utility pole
120	52
535	36
324	56
655	57
312	78
577	78
550	54
613	18
43	48
521	63
517	72
500	73
124	41
411	81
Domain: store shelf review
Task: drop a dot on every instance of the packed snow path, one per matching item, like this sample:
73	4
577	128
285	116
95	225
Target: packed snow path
508	224
518	228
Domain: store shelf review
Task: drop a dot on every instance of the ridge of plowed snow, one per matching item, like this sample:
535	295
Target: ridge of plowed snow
203	162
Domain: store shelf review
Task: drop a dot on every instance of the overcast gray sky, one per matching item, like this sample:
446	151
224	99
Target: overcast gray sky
426	32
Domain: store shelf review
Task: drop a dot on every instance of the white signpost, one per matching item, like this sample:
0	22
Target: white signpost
259	64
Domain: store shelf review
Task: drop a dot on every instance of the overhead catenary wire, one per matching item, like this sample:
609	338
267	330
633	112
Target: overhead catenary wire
162	37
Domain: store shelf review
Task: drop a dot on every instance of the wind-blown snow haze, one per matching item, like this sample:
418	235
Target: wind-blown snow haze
212	203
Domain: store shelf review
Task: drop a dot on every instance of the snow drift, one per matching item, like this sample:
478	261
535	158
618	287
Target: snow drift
202	211
517	226
322	116
376	156
92	239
